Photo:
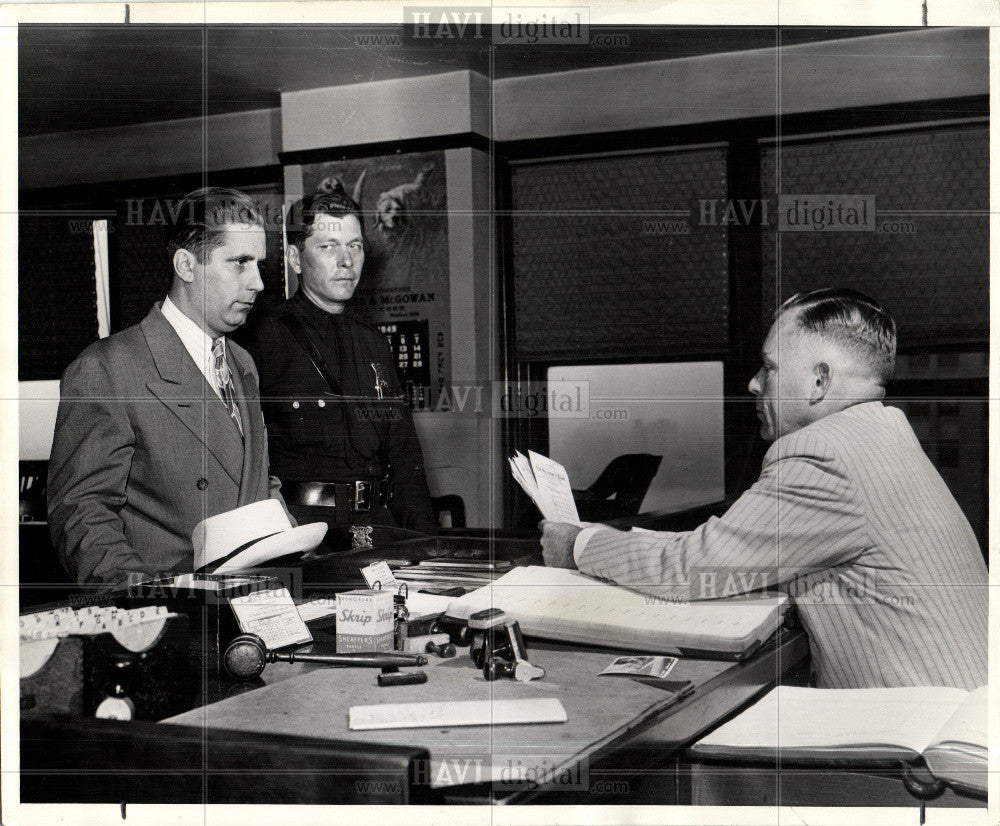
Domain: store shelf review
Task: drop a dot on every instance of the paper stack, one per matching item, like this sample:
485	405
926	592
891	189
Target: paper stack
547	483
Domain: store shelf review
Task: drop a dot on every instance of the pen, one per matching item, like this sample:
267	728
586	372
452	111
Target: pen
366	659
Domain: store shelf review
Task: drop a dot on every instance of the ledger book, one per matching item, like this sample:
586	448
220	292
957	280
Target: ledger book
566	605
945	726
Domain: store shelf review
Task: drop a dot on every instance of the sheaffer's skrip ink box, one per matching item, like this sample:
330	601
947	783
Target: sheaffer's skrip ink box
365	621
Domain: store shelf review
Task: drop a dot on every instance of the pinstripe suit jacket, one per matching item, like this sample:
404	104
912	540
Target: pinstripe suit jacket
849	517
144	449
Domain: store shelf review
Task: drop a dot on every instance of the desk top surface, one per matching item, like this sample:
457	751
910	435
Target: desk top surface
316	703
602	711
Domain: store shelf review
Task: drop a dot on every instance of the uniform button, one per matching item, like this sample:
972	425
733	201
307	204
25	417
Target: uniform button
295	405
321	403
202	483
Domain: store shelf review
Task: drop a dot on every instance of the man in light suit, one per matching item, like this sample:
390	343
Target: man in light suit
160	426
849	516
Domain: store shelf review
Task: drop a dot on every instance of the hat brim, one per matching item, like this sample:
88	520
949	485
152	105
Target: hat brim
295	540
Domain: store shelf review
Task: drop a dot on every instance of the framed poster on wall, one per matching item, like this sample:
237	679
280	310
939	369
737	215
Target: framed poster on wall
404	285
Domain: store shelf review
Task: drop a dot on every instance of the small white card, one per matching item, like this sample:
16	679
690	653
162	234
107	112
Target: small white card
271	615
378	575
640	666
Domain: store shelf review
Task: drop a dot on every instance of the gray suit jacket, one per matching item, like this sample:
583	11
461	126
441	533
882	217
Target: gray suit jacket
144	449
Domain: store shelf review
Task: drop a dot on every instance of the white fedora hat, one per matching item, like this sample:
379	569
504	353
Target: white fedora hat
251	535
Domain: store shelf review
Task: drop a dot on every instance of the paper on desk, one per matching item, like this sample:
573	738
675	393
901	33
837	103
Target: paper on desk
317	608
379	575
547	483
425	605
272	616
191	582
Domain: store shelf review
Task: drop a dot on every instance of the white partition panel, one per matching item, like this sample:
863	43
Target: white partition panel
669	410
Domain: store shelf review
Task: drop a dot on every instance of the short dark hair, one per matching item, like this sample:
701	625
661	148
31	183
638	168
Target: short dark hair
337	204
202	217
852	319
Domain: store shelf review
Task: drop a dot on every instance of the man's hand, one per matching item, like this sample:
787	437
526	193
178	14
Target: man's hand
557	543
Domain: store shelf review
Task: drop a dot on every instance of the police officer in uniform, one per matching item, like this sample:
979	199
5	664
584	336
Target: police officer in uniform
341	434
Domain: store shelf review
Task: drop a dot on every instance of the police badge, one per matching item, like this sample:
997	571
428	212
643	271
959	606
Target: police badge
381	381
361	537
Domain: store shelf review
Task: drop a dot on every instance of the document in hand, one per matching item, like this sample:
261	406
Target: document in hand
946	726
547	483
559	604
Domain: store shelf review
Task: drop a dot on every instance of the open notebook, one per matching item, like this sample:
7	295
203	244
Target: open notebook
945	726
560	604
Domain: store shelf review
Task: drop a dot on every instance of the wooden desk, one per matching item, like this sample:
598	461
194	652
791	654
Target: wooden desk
630	758
287	756
620	732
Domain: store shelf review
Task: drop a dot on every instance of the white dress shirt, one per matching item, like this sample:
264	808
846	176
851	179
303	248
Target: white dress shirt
195	340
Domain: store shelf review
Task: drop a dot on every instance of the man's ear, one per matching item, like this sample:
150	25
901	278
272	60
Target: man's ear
184	264
821	378
293	259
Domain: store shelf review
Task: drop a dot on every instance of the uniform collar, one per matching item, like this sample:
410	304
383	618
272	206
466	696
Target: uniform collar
317	318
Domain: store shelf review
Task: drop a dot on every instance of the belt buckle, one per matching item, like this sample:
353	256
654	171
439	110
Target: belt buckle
362	496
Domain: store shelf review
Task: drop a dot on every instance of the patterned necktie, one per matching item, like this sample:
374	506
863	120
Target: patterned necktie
224	381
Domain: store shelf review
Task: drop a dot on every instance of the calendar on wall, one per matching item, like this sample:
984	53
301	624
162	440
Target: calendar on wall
410	341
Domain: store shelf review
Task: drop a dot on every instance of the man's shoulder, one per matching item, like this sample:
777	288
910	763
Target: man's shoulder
841	433
272	314
285	307
272	323
117	344
267	334
115	355
364	330
866	418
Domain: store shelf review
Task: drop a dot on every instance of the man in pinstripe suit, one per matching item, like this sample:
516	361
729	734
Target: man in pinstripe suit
849	516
